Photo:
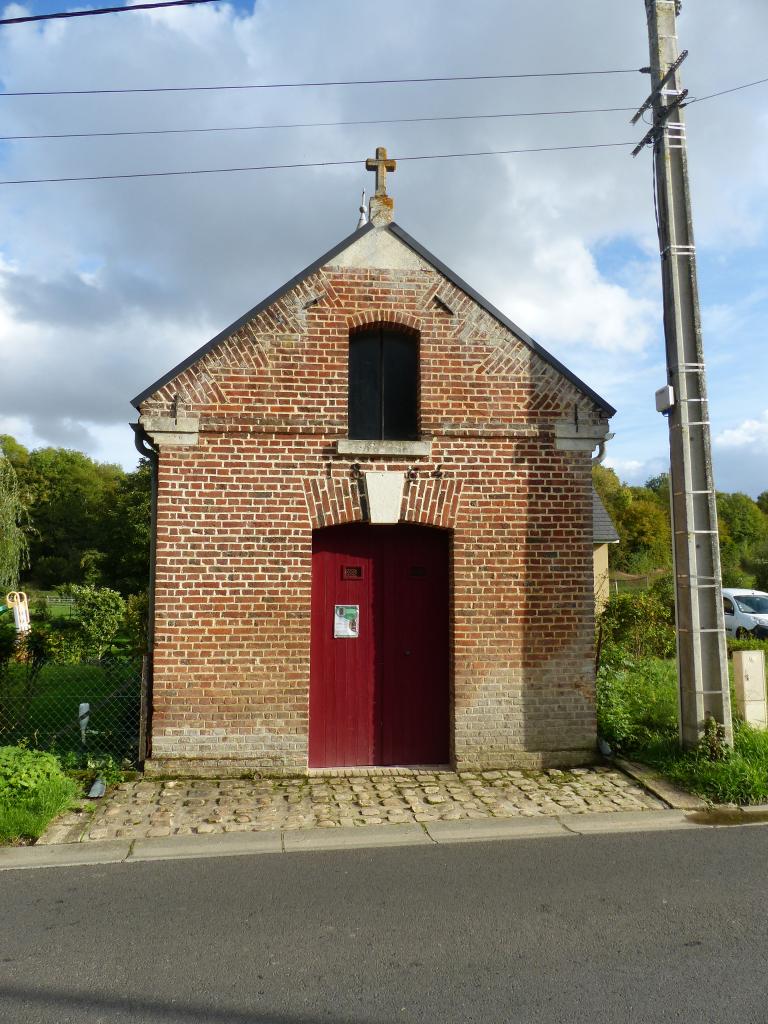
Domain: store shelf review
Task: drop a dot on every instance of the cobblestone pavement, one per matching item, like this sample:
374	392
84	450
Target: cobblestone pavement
183	807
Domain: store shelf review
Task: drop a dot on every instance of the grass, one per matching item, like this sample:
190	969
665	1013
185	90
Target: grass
637	714
24	821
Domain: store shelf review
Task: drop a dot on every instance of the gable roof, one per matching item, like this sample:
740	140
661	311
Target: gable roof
603	530
426	255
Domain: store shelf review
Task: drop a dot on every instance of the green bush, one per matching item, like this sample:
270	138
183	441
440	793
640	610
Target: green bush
65	642
748	645
23	772
637	703
637	714
638	624
99	612
88	634
33	790
88	767
741	777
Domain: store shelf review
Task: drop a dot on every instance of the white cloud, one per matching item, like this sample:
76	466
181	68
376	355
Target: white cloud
750	434
588	309
637	471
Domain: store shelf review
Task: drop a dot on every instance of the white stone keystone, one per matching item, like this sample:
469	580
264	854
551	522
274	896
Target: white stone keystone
385	496
749	683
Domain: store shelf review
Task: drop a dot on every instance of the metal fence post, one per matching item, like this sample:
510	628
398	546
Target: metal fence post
143	709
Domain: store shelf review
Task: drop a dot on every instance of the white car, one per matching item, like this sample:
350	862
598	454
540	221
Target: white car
745	611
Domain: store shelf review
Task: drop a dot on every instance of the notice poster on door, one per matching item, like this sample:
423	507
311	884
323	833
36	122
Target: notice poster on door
346	621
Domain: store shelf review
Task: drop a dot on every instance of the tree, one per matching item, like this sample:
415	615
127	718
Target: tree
13	541
91	520
659	485
99	612
645	533
743	540
69	495
16	453
126	563
641	517
741	517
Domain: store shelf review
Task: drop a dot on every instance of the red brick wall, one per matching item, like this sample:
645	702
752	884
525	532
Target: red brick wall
236	513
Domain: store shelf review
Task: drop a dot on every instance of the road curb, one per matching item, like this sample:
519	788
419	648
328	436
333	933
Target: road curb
291	841
648	778
480	831
68	855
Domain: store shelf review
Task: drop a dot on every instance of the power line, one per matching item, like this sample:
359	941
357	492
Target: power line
320	163
102	10
313	124
346	124
319	85
724	92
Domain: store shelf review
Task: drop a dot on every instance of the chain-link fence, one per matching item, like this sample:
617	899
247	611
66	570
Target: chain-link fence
86	708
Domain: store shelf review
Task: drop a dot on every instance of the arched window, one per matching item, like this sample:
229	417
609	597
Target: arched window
383	384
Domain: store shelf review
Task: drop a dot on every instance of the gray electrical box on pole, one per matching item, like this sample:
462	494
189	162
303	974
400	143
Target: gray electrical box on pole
702	658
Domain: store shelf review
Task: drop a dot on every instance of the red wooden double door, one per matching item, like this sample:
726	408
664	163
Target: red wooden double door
379	689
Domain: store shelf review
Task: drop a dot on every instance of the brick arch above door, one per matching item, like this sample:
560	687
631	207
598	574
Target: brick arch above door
430	501
390	317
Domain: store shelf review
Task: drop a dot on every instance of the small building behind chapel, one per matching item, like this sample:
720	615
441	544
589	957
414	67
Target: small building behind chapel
373	529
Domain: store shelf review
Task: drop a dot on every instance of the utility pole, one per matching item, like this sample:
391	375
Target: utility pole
702	661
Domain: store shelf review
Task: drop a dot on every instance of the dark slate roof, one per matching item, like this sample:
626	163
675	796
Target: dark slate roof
426	255
603	530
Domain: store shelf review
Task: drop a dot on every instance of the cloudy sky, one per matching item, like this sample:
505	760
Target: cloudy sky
104	285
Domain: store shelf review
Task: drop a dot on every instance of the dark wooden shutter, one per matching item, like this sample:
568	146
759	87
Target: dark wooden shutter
383	385
365	385
400	361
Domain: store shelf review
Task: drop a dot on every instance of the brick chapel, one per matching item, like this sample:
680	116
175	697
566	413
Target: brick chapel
373	528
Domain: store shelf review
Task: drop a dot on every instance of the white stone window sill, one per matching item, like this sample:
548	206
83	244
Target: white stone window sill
412	449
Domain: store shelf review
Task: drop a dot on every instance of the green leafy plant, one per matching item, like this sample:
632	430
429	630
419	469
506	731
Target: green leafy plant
23	772
33	790
639	624
748	644
99	614
739	775
636	702
712	744
88	767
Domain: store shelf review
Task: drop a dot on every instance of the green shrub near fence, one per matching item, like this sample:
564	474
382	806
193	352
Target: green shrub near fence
33	790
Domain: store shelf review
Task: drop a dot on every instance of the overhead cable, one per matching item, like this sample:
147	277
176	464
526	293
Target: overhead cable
367	121
317	85
318	163
313	124
724	92
102	10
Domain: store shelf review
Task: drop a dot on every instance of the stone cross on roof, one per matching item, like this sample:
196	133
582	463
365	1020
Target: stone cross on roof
380	165
381	205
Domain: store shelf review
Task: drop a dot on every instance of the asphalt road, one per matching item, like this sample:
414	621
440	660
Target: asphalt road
622	928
